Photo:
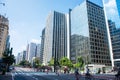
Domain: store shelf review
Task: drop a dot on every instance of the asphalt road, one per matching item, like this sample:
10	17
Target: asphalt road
25	74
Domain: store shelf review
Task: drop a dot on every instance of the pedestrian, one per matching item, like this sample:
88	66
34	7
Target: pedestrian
99	71
65	69
118	73
88	72
88	75
76	74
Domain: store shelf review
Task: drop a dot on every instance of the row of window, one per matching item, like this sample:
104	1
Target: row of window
101	61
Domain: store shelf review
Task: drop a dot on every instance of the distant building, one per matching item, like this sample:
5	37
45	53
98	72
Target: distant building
118	6
24	55
4	27
89	37
31	51
115	39
42	45
17	59
55	45
27	53
38	47
8	42
20	57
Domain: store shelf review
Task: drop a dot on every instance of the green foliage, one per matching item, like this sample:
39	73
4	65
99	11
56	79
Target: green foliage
24	63
65	62
51	62
80	63
36	62
8	57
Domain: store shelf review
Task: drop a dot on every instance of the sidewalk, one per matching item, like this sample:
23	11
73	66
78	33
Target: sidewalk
6	77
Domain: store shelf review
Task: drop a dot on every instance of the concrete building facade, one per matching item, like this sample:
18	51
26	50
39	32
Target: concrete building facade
4	27
31	51
55	45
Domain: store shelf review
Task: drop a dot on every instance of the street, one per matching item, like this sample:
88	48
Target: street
29	74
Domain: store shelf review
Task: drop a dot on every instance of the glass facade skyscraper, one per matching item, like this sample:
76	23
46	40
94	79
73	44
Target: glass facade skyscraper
42	45
118	6
115	39
55	37
89	37
31	51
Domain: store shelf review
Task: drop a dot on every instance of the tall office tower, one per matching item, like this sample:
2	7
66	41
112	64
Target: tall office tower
89	37
42	45
17	58
24	55
38	50
118	6
27	52
31	51
8	42
4	27
55	37
115	40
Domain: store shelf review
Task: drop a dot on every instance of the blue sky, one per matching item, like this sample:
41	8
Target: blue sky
27	18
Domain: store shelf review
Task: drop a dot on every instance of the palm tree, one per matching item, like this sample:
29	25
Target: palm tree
80	63
8	58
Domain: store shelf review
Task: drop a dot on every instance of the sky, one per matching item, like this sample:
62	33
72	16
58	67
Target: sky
27	18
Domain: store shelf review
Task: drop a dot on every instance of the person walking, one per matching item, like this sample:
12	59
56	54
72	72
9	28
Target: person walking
88	76
76	74
118	74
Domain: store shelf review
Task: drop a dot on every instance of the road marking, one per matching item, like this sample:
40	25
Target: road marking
12	76
35	78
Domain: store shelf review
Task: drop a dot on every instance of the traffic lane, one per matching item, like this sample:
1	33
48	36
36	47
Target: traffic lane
23	77
55	77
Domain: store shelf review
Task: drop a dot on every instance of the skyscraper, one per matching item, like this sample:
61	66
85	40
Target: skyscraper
27	52
31	51
4	27
118	6
89	37
24	55
55	37
42	45
8	42
38	47
115	39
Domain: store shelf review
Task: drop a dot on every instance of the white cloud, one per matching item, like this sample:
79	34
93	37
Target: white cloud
111	8
36	41
110	4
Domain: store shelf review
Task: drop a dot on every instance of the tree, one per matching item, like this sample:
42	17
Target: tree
36	62
51	62
8	58
24	63
65	62
80	63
